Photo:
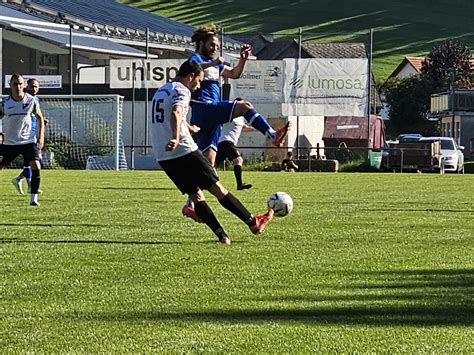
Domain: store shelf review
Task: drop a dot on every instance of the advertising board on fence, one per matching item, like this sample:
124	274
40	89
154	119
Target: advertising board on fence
45	81
142	73
305	87
261	82
325	87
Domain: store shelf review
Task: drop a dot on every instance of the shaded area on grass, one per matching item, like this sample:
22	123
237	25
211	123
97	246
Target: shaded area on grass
386	298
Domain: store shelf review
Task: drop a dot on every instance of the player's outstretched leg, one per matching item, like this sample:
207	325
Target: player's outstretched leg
256	224
257	121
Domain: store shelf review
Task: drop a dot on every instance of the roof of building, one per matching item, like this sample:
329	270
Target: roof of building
19	23
119	22
416	63
335	50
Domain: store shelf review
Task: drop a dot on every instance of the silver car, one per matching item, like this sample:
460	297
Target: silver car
453	158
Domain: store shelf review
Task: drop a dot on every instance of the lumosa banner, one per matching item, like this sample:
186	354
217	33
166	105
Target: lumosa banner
325	87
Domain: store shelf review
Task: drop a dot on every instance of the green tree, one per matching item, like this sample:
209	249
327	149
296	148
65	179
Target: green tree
409	101
445	59
409	98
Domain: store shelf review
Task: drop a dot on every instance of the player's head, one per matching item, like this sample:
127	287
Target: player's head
17	84
190	74
207	40
32	86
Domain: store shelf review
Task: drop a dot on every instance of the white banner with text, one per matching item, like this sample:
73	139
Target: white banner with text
325	87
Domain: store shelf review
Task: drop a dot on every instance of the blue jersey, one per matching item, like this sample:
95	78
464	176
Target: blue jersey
210	90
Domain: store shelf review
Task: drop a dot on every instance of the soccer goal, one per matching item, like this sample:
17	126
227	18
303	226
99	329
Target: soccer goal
84	132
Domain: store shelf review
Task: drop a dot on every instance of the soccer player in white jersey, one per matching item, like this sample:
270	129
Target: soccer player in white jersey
183	162
32	88
19	137
227	148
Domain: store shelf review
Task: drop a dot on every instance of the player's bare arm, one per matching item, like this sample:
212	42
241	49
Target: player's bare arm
236	72
176	117
40	128
193	128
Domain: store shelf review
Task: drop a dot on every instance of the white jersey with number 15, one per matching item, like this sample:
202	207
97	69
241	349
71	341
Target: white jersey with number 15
169	95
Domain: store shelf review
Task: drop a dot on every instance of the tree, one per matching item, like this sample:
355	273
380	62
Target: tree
444	60
409	102
409	98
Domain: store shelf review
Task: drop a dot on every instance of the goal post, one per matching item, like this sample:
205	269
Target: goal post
84	132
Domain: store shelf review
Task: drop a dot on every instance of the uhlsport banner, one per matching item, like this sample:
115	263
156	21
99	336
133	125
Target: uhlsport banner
142	73
260	82
325	87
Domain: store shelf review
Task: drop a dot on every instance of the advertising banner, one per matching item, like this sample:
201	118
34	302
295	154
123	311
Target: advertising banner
325	87
151	73
45	81
261	82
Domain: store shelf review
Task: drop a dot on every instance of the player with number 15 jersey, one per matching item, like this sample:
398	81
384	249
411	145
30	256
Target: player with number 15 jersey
169	95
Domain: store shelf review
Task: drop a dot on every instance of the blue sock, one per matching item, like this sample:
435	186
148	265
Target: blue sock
259	122
26	172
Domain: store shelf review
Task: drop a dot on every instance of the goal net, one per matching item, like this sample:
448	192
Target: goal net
83	132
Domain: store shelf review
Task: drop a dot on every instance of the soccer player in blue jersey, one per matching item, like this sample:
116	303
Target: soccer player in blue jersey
209	111
32	88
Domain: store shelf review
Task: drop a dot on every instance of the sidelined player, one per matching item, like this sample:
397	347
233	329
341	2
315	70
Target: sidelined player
19	137
183	162
209	112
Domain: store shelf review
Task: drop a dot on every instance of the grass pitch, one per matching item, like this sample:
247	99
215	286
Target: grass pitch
365	263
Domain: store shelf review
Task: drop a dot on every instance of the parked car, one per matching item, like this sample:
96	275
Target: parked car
409	137
453	157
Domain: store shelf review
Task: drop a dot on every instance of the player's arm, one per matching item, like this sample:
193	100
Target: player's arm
193	128
236	72
39	126
176	117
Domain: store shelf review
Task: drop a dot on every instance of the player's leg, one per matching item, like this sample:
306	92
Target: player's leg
31	153
257	121
205	214
185	172
9	153
238	163
256	224
228	150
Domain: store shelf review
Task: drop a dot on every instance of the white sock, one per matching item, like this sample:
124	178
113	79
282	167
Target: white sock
34	198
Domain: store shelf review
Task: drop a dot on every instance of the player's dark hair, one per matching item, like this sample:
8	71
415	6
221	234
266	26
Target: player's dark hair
16	76
189	67
203	34
31	80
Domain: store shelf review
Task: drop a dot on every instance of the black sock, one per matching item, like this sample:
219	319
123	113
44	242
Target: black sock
35	181
231	203
204	212
238	174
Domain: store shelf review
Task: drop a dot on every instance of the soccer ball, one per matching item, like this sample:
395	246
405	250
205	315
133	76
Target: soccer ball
281	203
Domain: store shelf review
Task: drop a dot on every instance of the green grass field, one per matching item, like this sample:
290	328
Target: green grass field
401	28
365	263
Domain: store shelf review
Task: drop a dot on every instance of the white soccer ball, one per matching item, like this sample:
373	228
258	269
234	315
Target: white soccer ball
281	203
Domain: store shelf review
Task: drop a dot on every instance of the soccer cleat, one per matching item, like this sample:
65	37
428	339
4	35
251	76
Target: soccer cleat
17	183
225	240
35	203
261	222
191	213
244	186
281	134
